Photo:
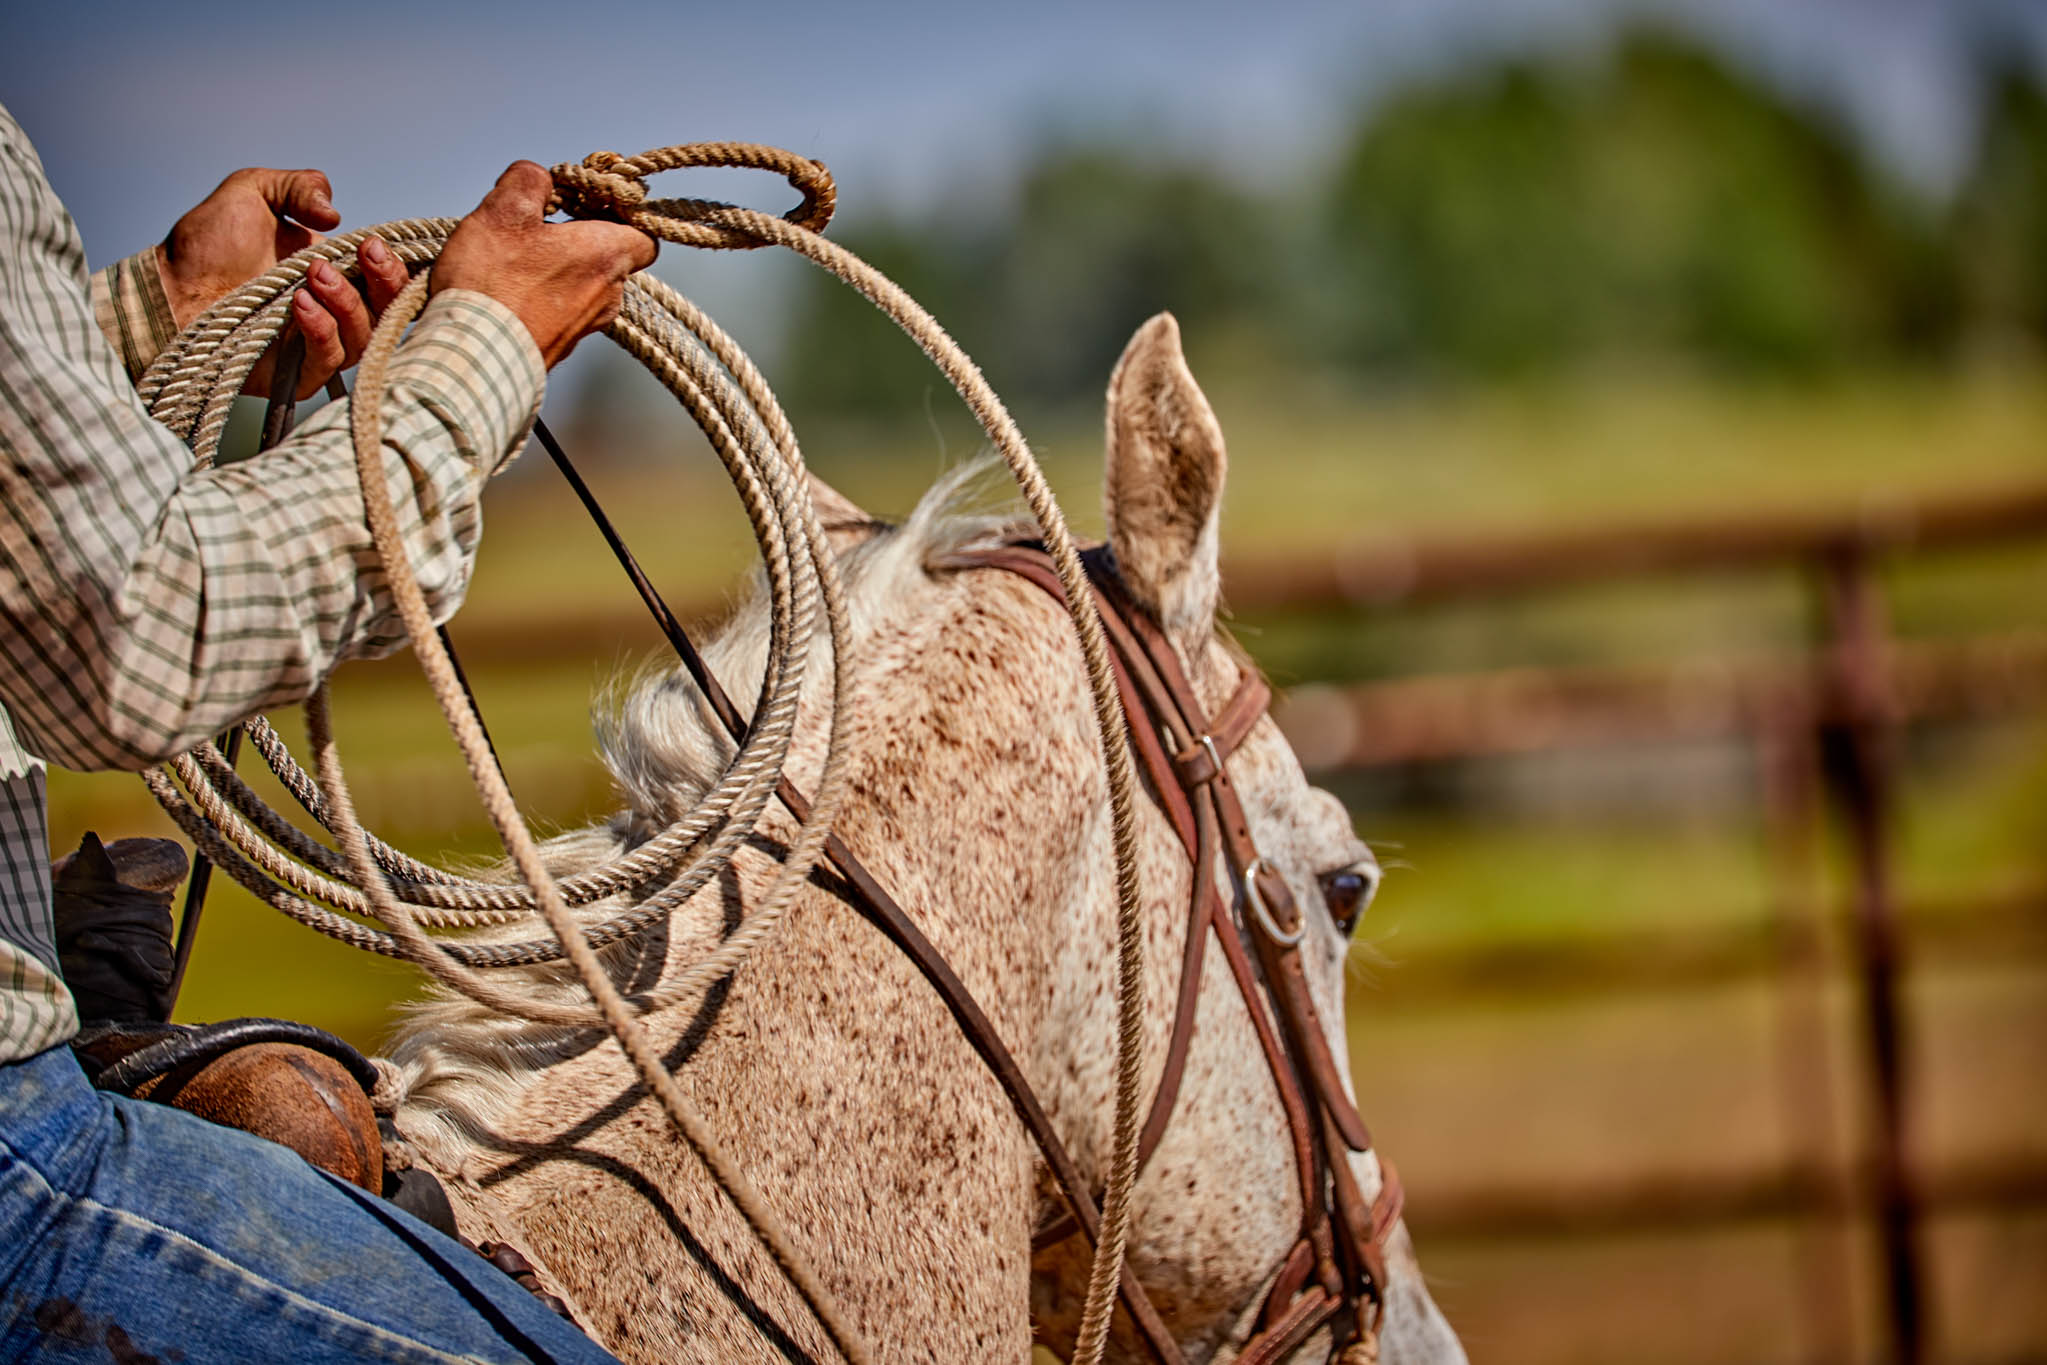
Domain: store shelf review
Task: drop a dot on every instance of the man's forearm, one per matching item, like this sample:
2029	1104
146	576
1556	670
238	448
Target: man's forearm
252	581
143	606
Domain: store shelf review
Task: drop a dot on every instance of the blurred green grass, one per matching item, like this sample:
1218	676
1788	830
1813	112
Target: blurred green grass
1313	467
1971	825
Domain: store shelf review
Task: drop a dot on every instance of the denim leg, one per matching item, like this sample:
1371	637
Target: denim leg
131	1232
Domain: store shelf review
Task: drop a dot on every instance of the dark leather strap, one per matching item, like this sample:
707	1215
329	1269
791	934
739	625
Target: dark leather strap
1197	832
1291	1280
1285	972
1343	1240
1141	654
881	910
1294	1324
1202	762
1359	1231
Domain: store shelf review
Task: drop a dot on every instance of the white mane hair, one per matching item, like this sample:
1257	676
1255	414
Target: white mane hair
657	732
454	1066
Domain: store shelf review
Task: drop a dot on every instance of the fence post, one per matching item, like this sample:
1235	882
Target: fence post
1857	739
1807	1089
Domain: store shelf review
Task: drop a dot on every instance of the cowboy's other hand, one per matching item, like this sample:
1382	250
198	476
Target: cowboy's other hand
563	280
334	317
252	220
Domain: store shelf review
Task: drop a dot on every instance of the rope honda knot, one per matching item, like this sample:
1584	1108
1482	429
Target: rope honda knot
607	185
603	185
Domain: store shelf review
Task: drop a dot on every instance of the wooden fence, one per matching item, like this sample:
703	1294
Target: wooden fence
1827	724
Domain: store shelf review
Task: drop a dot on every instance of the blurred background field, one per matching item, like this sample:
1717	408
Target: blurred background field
1546	270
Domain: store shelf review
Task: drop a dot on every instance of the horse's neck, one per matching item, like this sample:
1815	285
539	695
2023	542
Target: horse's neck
976	799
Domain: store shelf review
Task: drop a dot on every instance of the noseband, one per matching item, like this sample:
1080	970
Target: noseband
1335	1274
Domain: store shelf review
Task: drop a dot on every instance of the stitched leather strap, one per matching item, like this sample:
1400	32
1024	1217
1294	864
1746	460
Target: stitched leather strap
1356	1229
1193	786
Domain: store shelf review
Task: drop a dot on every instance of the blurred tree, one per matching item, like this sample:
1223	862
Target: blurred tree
2000	218
1098	244
1520	217
1043	299
1459	236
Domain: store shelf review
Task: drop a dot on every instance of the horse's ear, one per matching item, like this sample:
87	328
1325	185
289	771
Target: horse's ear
1165	479
845	525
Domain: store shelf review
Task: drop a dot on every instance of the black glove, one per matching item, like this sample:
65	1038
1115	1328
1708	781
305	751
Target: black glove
113	912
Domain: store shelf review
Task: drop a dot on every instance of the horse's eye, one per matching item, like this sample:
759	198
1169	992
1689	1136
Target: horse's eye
1346	892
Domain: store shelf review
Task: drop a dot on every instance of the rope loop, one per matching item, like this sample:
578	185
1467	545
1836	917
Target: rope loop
607	185
191	388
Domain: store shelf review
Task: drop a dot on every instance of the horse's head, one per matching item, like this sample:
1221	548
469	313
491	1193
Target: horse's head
1219	1205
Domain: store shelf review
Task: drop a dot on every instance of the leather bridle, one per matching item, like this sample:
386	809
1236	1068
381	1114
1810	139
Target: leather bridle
1335	1274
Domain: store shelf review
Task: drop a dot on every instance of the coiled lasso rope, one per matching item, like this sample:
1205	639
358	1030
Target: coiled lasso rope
191	388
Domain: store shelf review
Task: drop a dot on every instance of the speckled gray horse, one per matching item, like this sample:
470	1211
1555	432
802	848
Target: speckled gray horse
828	1067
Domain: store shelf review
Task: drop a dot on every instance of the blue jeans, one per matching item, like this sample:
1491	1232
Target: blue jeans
132	1232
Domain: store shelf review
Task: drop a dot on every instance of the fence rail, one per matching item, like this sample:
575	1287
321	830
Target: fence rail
1688	1201
2002	927
1529	710
1826	724
1397	571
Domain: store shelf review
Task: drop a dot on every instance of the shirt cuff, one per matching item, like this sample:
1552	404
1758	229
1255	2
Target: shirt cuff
471	358
129	303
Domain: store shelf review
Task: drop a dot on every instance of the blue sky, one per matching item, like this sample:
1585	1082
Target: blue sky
138	109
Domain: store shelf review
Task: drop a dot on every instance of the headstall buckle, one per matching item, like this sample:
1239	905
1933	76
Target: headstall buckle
1263	913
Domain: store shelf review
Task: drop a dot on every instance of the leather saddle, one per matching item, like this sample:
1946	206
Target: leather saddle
287	1082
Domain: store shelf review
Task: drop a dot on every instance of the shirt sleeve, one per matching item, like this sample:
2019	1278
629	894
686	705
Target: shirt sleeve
145	606
133	312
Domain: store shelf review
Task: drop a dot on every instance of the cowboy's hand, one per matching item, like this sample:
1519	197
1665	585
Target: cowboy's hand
563	280
253	220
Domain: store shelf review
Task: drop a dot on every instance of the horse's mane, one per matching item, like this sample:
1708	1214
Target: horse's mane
655	730
454	1063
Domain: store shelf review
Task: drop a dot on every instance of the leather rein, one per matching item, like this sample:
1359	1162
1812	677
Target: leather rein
1335	1274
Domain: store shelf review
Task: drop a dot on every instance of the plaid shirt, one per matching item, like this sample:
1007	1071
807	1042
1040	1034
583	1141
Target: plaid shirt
144	605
